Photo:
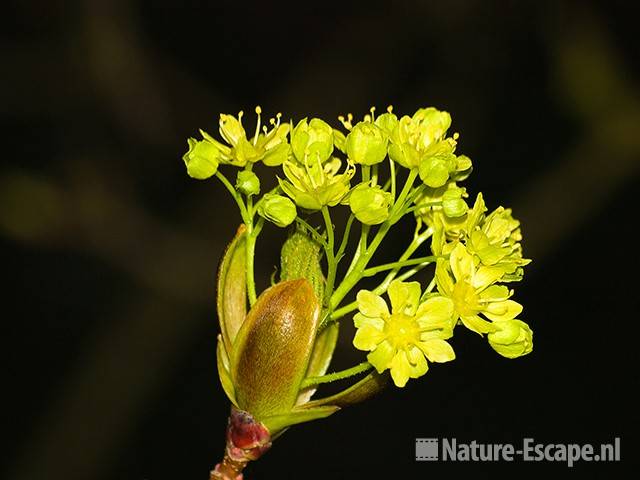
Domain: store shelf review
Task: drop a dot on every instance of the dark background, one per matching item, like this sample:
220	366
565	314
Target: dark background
109	250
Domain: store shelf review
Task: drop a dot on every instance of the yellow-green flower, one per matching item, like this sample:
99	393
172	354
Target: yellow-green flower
495	239
268	146
312	141
404	339
316	185
422	133
420	142
471	287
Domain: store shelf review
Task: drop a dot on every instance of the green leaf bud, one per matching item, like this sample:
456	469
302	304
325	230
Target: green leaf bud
370	205
367	144
277	209
272	349
248	183
312	141
513	338
202	159
301	257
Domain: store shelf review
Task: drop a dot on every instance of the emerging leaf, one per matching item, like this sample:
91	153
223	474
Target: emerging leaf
232	288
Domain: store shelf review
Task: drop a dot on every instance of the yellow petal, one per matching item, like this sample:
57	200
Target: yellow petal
436	312
404	296
417	363
437	350
367	338
486	276
495	292
461	263
400	369
443	278
361	320
477	324
381	357
500	311
371	305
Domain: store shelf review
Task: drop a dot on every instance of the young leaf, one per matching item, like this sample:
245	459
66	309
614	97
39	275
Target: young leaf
232	289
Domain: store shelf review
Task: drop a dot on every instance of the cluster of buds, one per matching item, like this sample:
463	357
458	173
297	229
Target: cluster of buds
275	349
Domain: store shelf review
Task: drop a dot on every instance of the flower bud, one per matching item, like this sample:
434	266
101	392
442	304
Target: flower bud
277	209
370	205
434	170
202	159
367	144
312	141
248	182
513	338
453	204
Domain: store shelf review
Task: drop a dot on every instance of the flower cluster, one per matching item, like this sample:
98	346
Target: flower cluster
382	168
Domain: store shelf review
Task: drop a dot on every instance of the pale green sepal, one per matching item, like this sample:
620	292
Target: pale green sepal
277	423
339	140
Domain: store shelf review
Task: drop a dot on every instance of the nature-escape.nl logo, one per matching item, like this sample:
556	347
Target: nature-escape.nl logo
452	450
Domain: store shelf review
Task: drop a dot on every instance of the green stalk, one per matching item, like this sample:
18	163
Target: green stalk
252	236
332	377
379	290
236	196
355	275
370	272
345	238
313	232
329	249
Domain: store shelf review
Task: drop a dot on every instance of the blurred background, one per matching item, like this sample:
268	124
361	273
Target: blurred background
109	250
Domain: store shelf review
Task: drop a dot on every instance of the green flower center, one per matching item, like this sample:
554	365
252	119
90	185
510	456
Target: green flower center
465	299
402	330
